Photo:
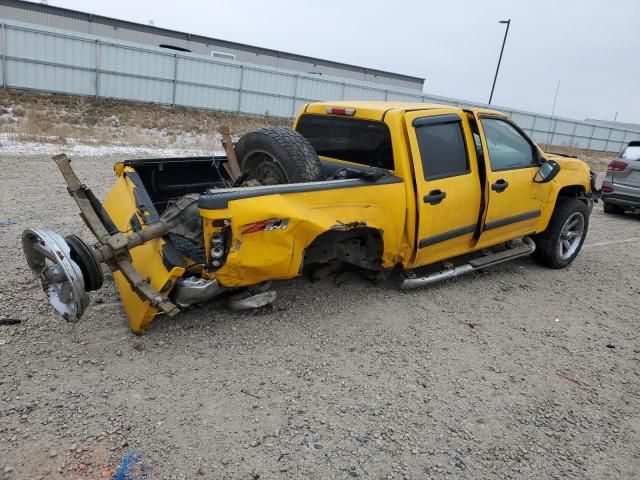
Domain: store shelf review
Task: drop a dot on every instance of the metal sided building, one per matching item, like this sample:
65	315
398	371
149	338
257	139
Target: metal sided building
81	22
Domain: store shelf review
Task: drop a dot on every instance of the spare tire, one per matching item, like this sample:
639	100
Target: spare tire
274	155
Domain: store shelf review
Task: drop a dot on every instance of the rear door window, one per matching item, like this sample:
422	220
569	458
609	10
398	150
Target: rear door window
366	142
442	147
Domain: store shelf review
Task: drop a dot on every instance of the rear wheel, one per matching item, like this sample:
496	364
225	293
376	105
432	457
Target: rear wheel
276	155
561	242
613	209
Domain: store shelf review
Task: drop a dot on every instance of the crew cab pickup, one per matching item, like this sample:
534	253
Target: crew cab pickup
433	191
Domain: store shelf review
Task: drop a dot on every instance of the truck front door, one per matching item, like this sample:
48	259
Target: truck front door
447	183
514	199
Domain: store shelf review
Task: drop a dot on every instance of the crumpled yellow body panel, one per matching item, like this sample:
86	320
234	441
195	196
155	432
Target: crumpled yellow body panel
120	204
277	254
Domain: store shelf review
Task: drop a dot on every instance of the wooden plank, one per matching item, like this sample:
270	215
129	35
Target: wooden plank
233	168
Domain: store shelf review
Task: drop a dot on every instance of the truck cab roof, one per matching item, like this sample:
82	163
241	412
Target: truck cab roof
375	110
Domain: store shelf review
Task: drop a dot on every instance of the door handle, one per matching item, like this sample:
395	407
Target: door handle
434	197
500	185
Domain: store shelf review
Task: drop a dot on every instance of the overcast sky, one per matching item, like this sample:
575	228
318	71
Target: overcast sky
591	46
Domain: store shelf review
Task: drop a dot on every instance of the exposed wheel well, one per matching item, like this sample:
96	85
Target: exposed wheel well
357	245
571	191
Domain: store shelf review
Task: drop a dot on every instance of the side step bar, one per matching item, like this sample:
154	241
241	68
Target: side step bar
526	248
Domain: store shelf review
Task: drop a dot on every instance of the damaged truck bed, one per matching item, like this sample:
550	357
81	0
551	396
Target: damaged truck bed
369	185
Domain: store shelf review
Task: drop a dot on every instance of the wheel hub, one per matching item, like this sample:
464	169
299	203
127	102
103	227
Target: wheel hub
59	276
267	171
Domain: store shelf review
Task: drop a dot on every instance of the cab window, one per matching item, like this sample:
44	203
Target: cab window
508	149
367	142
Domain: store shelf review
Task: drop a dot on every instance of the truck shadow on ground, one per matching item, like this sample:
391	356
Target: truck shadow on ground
355	293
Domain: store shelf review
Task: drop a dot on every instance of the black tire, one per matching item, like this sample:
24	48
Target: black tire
613	209
548	242
275	155
81	254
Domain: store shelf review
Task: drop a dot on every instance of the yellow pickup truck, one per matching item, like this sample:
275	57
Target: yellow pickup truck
432	191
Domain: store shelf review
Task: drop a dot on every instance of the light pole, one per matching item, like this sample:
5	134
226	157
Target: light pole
506	32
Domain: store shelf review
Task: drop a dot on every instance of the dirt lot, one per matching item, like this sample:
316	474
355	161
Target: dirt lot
517	372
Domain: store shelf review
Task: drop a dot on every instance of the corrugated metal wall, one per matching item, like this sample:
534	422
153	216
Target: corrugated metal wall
121	30
52	60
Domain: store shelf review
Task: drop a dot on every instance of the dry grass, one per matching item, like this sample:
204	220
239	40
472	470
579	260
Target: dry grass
597	160
26	116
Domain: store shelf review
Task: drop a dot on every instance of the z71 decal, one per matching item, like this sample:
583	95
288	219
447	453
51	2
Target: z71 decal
266	225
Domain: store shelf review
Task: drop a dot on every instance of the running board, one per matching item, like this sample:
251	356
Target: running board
526	248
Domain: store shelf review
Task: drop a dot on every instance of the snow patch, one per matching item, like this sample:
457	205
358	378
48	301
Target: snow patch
10	146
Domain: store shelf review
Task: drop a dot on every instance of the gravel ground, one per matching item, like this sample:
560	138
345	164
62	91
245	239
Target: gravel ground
516	372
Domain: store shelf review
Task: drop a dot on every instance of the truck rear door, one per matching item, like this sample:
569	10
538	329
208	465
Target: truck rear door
447	183
514	199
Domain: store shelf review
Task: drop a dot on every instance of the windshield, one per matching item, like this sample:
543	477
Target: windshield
631	153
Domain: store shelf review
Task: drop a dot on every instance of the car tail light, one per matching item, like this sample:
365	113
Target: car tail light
607	189
219	245
617	166
349	112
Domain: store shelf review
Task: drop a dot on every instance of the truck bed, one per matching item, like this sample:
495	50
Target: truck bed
165	179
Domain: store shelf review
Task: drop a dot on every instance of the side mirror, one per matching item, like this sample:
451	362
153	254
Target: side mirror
547	172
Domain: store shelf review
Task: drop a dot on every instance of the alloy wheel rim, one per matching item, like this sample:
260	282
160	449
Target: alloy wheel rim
571	236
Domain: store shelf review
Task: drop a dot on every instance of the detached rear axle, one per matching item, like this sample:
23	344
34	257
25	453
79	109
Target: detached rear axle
67	268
